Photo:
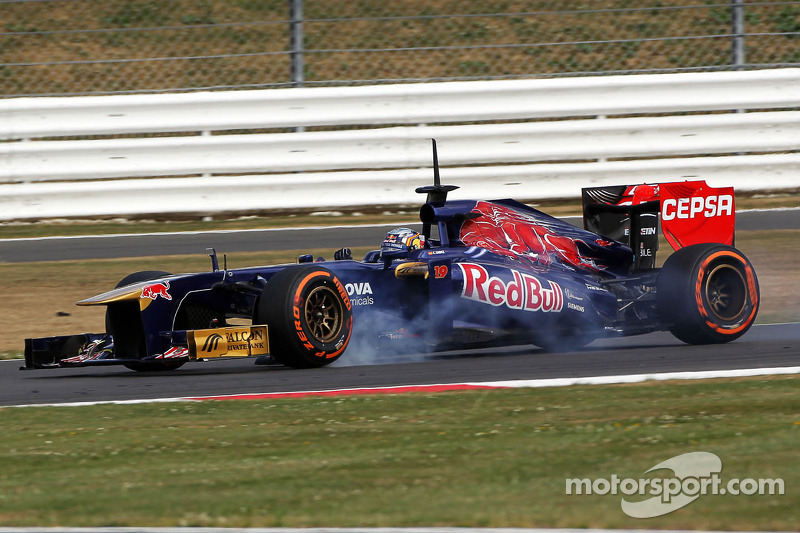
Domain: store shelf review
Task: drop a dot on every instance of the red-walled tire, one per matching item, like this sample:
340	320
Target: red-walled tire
708	294
309	316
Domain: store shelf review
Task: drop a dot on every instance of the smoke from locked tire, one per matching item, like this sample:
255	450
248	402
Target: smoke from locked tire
309	316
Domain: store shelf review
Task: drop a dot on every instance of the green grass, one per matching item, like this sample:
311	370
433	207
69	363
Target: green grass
481	458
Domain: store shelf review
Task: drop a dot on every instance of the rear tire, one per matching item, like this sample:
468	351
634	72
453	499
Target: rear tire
309	316
129	341
708	294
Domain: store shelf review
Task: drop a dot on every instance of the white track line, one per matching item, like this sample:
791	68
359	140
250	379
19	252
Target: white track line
521	383
203	232
638	378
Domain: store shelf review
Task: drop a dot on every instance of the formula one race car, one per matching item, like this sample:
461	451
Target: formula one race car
479	273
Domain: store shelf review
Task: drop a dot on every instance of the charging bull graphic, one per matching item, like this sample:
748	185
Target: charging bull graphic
155	290
512	233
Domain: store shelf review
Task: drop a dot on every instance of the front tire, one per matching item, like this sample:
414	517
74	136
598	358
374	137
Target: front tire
309	316
708	294
123	323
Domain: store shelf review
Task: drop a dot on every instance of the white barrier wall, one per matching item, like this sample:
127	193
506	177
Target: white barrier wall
581	123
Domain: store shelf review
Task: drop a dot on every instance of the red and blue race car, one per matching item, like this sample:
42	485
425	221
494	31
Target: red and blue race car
479	272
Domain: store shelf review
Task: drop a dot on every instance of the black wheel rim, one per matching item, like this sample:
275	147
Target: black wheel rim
726	292
323	313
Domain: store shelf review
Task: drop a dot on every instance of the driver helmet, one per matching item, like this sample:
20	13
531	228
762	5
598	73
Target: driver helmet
402	240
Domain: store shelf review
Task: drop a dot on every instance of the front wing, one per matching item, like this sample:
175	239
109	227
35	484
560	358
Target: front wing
97	349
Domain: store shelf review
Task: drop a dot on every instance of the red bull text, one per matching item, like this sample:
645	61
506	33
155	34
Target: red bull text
524	292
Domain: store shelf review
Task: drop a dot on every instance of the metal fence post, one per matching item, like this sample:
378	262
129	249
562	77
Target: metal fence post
296	42
737	29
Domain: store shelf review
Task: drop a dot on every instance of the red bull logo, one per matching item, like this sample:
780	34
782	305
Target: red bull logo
155	290
524	292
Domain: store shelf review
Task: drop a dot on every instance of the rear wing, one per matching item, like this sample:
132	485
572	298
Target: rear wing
689	212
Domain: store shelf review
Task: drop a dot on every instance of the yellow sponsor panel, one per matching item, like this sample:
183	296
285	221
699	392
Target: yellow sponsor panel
411	270
235	341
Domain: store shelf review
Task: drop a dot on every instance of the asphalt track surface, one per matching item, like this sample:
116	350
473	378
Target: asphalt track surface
764	346
113	246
